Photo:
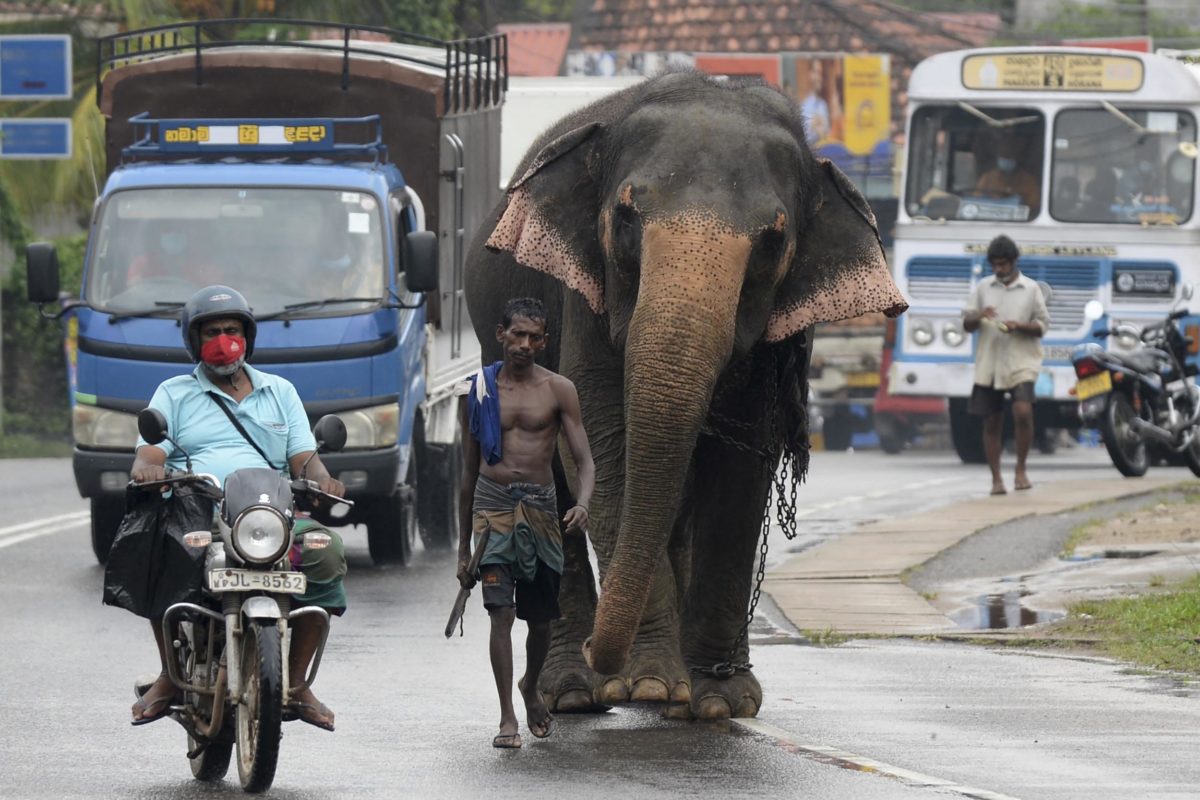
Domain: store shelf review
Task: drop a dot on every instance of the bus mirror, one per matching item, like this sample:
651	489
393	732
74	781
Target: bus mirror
41	266
421	261
1094	310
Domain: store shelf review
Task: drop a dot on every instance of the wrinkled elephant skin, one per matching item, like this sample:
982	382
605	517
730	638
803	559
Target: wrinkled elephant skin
684	240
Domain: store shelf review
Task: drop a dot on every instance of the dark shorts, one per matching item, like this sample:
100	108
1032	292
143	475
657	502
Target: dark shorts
986	401
536	601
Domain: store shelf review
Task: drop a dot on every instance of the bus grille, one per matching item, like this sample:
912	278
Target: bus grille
1072	286
940	280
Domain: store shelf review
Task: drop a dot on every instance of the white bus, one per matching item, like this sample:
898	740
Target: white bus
1087	159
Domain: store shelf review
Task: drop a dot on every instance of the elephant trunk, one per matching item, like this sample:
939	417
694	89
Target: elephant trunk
680	337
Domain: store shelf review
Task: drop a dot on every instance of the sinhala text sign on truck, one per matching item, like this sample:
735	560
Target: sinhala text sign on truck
304	173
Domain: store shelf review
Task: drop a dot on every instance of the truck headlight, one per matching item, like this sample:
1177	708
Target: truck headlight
952	333
922	332
101	427
260	535
376	426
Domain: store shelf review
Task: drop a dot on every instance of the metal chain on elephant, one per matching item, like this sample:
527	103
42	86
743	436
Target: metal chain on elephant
786	480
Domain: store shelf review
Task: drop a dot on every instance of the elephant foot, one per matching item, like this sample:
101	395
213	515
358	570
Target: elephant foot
737	696
569	686
651	677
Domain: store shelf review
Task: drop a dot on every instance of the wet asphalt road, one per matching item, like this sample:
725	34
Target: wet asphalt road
416	712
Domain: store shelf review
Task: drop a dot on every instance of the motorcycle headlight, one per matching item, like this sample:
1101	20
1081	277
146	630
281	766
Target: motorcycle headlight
952	333
1127	336
922	332
260	535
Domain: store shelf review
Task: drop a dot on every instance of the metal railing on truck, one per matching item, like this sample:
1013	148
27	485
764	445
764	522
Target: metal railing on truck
475	71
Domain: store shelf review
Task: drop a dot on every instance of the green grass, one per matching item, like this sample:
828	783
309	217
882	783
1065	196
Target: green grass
1160	630
826	638
1078	535
24	446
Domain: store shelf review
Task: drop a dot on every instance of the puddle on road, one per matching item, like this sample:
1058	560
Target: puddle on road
1004	610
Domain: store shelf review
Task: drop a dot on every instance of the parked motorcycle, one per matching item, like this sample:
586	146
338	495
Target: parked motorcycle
1144	398
229	654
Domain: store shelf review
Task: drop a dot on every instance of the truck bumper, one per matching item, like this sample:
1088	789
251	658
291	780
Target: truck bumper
101	473
367	473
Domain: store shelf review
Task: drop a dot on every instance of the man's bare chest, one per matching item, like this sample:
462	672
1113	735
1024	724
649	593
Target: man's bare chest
528	408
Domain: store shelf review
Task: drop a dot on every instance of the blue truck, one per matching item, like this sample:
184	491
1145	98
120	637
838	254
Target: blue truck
331	173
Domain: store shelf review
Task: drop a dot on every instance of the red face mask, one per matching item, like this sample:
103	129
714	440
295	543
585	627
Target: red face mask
223	350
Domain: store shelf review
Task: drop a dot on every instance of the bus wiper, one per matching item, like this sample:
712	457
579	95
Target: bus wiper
288	310
992	121
162	306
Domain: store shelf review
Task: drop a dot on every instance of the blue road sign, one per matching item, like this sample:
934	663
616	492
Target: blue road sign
35	67
35	138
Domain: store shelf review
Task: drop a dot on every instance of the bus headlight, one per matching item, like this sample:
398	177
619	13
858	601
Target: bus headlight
101	427
376	426
260	535
952	333
922	332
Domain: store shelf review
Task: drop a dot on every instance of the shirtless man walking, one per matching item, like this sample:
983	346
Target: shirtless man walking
514	410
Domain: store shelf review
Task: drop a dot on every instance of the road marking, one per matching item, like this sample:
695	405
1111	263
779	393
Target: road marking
840	758
15	534
858	498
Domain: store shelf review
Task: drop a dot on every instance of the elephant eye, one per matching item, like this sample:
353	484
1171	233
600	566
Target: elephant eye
767	251
626	236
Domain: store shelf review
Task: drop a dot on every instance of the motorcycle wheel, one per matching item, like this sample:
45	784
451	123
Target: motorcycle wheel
1191	454
1127	450
213	762
260	712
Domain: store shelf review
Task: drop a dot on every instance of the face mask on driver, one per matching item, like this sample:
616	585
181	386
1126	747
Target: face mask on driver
224	354
1006	164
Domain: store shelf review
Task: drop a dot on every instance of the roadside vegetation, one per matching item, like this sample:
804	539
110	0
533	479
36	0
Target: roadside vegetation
1160	629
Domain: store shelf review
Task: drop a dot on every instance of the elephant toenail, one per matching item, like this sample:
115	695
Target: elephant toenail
682	693
713	707
614	690
650	690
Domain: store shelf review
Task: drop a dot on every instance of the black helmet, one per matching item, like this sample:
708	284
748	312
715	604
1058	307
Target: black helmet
215	302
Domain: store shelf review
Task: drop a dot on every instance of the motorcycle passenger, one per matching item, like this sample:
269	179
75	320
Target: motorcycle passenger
219	332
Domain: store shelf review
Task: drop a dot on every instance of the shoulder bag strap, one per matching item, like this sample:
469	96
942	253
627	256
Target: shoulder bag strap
245	435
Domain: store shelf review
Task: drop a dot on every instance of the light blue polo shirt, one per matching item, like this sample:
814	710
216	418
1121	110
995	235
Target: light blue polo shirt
272	414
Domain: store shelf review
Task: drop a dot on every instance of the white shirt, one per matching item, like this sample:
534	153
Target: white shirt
1003	360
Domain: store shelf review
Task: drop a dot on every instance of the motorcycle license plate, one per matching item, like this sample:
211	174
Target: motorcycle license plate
245	580
1093	385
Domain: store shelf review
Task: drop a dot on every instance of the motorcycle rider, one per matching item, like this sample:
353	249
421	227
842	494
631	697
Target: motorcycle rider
219	332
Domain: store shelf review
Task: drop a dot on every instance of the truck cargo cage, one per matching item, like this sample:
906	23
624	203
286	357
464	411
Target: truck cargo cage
475	71
250	138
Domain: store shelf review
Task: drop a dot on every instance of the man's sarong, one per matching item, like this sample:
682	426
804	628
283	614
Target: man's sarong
523	518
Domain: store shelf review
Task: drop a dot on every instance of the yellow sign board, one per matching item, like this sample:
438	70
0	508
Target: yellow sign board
1053	72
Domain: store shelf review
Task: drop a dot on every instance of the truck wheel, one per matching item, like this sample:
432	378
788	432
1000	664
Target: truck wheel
392	522
107	513
839	427
966	431
893	434
438	512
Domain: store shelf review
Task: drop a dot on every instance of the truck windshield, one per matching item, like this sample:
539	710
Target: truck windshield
1128	165
970	162
281	248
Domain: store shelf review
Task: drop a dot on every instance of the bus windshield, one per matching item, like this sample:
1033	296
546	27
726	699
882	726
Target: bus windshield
970	162
1123	165
283	249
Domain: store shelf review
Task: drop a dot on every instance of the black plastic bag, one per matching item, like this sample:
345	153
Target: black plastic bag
149	567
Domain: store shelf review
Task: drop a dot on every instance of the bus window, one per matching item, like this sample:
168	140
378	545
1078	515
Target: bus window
975	163
1130	166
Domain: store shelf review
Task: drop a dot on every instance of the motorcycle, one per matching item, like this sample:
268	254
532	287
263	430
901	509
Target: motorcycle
1144	399
228	655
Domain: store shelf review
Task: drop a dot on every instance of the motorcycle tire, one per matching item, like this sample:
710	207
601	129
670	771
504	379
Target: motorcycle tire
1128	451
211	764
1191	454
260	712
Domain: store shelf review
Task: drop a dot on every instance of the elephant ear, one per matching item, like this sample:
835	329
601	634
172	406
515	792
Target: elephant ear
839	270
548	222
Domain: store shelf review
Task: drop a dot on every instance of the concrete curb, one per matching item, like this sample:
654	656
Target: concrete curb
852	584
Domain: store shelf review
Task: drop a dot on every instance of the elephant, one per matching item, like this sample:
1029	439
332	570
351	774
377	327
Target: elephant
684	240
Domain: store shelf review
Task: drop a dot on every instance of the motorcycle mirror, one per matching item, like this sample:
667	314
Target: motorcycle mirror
1187	291
1093	310
1047	292
152	425
330	433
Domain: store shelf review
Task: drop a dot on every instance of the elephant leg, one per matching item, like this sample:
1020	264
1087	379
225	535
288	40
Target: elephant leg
730	491
567	683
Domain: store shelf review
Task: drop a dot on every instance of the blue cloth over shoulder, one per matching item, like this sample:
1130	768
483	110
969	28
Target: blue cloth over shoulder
483	411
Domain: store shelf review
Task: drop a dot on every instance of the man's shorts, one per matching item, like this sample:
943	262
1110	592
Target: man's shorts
986	401
536	601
